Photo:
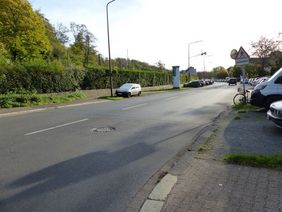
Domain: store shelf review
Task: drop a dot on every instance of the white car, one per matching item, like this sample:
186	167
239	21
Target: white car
268	92
275	113
129	89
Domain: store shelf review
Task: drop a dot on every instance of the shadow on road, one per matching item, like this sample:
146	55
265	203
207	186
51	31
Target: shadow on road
76	170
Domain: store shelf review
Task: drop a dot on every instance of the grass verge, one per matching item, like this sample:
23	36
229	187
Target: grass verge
111	97
243	108
207	145
28	99
267	161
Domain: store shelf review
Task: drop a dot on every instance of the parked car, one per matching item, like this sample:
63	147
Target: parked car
268	92
232	81
275	113
194	83
129	89
259	80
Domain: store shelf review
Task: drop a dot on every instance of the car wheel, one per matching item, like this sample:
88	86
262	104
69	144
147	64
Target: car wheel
129	95
139	93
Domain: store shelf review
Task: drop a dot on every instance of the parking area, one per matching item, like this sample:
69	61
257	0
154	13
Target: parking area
251	132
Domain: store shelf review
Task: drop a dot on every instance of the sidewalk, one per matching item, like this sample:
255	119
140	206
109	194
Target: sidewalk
209	184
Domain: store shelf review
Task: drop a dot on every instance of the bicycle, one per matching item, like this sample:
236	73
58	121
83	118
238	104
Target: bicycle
241	98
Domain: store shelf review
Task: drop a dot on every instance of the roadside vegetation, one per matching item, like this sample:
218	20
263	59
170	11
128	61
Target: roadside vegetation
267	161
113	98
208	144
38	57
242	108
29	99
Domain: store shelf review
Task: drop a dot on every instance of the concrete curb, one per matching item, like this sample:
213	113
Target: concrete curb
157	197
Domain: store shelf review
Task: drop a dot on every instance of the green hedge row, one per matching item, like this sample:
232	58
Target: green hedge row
98	79
19	79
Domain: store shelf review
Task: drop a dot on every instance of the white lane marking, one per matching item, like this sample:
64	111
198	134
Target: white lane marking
51	128
171	98
135	106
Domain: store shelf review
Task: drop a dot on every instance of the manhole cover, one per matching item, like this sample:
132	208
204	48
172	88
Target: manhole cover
103	129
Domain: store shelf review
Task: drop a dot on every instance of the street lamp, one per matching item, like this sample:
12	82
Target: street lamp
204	61
109	48
198	41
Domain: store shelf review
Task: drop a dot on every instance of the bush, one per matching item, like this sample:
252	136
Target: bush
100	78
42	77
27	99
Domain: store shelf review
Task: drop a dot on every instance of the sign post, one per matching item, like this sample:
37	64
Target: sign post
242	59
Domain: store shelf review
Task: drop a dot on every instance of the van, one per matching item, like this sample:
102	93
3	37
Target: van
268	92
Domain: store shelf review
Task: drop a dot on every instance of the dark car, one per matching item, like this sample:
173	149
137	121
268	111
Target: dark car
194	84
232	81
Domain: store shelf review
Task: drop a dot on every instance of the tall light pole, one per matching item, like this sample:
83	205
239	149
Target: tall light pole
204	61
198	41
109	48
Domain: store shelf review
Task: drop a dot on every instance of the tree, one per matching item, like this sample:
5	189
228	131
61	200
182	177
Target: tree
237	72
160	65
62	34
83	48
220	72
57	49
275	60
4	56
22	31
251	70
263	48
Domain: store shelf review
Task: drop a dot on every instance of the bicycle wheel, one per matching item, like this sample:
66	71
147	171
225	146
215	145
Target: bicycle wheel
239	99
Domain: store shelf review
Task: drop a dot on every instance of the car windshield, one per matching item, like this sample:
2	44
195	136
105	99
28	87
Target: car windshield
126	86
274	75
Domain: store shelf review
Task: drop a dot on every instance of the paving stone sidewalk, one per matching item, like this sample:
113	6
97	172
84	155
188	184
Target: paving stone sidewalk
209	184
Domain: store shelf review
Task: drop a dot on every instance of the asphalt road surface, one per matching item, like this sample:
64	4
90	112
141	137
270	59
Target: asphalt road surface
96	157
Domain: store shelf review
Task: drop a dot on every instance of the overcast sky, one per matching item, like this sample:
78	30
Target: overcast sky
160	30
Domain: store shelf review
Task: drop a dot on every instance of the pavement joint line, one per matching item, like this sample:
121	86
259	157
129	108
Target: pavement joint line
55	127
157	197
135	106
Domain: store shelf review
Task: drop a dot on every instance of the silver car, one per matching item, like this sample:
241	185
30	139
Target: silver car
275	113
129	89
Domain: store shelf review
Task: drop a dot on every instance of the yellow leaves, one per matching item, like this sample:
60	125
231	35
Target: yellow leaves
22	30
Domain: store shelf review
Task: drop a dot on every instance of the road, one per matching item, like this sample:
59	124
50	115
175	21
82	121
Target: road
96	157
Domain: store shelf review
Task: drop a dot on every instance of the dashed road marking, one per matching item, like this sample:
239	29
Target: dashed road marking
135	106
55	127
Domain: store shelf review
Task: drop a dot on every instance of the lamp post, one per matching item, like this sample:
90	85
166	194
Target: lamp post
109	48
204	61
198	41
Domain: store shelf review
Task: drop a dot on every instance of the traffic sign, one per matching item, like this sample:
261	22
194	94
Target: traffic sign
242	57
233	54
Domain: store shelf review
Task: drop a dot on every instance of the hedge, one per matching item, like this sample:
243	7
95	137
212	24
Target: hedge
99	78
41	79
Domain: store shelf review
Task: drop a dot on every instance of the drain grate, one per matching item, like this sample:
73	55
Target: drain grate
103	129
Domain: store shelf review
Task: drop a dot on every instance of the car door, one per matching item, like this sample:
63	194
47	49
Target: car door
278	85
133	90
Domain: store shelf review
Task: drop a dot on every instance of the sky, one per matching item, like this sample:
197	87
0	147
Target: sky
161	30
